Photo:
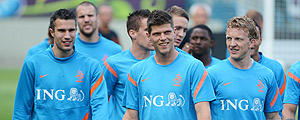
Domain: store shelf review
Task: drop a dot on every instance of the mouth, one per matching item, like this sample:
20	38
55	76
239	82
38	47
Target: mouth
234	51
178	41
67	43
164	45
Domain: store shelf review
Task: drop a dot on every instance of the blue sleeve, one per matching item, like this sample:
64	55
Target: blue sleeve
110	76
273	101
292	92
98	96
131	97
201	85
24	98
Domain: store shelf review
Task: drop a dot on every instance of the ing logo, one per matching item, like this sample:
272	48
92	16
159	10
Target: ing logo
177	80
104	57
79	76
260	85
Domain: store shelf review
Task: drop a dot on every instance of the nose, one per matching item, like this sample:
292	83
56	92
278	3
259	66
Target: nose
162	36
180	33
232	43
67	35
86	18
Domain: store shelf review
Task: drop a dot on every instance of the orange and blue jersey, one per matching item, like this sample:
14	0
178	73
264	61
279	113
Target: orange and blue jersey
115	71
292	92
246	94
40	47
167	91
278	71
60	88
99	50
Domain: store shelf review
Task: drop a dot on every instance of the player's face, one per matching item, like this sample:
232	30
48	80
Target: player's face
200	41
162	37
64	34
257	44
141	36
105	14
181	24
87	20
238	44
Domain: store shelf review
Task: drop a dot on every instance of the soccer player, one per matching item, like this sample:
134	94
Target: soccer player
201	42
42	46
181	21
89	40
117	66
292	93
105	14
244	88
170	84
60	82
272	64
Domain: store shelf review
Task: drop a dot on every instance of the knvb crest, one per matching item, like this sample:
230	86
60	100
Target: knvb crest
177	80
260	85
79	76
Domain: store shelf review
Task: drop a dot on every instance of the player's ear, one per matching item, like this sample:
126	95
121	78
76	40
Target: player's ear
148	35
252	43
51	32
132	34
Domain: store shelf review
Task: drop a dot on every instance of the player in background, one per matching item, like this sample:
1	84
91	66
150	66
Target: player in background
42	46
117	66
200	14
181	20
244	88
170	84
272	64
89	40
292	93
105	13
201	42
60	82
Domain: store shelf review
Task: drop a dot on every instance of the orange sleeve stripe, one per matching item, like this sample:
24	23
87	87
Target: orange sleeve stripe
283	86
110	69
131	80
294	77
86	117
98	82
275	98
200	84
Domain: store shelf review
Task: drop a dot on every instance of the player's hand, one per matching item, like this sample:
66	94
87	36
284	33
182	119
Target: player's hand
187	47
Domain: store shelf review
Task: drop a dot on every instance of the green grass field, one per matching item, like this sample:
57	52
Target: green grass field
8	84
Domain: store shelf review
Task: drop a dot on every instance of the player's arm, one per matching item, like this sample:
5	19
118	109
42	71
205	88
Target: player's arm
131	114
23	105
110	75
203	111
288	112
98	96
272	116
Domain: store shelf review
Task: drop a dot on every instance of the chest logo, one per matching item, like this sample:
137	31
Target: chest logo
143	80
177	80
260	85
41	76
226	83
79	76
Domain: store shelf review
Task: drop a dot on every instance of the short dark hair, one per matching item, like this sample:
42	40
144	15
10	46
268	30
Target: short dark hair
159	17
202	26
244	23
134	19
175	10
86	3
63	14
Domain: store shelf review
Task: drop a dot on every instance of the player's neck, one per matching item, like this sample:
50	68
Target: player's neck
166	58
61	54
93	38
139	53
204	58
244	63
256	57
